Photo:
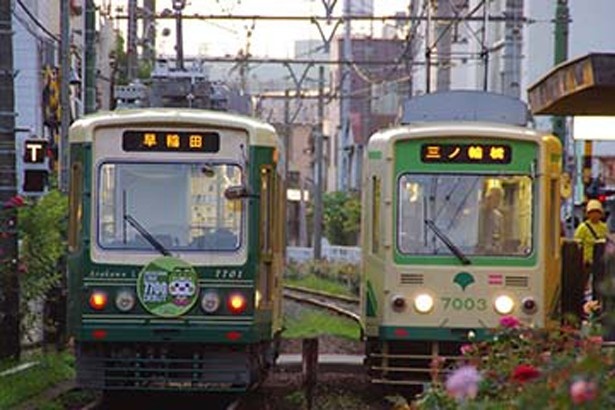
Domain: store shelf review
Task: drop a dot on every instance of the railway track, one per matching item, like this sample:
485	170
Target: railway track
342	305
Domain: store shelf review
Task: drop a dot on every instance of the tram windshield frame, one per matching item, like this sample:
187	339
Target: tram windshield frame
180	204
478	214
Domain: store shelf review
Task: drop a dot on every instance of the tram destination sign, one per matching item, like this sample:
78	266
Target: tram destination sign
170	141
466	153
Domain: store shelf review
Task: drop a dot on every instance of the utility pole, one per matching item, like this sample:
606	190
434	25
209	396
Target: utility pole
561	55
149	31
559	122
178	6
131	43
9	280
65	67
318	166
344	149
90	57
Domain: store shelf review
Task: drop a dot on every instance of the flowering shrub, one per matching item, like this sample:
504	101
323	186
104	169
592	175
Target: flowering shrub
523	367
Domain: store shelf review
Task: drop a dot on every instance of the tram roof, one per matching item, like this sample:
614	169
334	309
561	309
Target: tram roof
261	133
582	86
428	129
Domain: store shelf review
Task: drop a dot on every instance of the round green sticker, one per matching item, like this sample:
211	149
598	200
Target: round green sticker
167	287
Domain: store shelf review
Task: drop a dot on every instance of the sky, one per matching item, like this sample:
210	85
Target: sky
269	38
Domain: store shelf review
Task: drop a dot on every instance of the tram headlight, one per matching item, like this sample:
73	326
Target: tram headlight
423	303
98	300
398	303
504	304
210	301
125	300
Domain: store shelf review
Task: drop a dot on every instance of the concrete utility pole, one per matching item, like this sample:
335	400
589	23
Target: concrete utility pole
319	166
443	32
561	54
65	67
9	280
178	6
131	41
90	57
149	31
345	145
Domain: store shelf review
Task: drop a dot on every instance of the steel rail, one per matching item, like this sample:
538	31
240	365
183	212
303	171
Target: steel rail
323	305
328	295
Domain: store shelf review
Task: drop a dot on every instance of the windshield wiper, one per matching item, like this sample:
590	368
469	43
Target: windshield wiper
148	236
447	241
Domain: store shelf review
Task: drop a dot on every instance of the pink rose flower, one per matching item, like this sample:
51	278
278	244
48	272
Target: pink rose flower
509	322
583	391
466	349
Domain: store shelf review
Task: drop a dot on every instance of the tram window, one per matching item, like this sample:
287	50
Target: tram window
479	214
75	207
267	228
553	246
376	214
180	204
266	209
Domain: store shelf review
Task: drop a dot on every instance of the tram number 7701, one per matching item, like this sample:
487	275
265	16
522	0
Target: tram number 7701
464	303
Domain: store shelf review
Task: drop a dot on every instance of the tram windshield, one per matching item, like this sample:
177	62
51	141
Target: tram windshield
181	205
475	214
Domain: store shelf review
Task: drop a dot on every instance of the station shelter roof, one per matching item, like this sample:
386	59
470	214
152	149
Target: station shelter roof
582	86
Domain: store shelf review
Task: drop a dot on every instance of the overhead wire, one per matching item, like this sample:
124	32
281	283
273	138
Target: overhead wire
35	21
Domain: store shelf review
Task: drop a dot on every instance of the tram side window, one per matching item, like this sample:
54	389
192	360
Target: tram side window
75	205
266	210
376	192
267	231
555	217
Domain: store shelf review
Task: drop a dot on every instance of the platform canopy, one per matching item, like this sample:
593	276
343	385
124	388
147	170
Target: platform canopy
583	86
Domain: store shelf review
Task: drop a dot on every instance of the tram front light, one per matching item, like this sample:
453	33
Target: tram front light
237	303
98	300
423	303
504	304
210	301
125	300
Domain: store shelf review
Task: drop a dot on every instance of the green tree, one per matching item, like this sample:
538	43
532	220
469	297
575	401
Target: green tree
144	69
42	235
342	217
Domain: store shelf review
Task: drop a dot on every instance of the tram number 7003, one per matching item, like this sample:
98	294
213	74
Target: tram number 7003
464	303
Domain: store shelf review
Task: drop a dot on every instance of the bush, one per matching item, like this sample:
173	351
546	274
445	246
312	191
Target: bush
524	367
42	233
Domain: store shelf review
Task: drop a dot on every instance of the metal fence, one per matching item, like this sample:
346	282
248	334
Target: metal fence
346	254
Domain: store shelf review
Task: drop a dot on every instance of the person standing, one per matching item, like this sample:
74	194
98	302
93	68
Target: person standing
491	222
588	233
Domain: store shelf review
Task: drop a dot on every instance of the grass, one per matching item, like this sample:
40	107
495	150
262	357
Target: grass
52	369
313	323
322	284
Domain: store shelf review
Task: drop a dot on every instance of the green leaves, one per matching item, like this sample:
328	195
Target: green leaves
342	217
42	235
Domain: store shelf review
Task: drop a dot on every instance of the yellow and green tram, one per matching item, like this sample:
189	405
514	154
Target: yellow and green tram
175	251
460	227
